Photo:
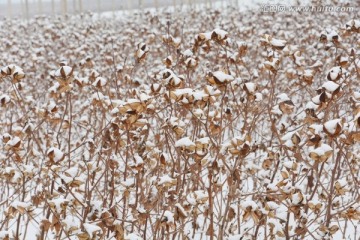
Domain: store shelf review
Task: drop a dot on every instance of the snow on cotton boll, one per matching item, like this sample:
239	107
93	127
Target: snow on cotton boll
171	80
321	153
277	44
334	74
219	78
133	236
168	220
307	76
141	52
99	82
64	76
219	35
331	87
353	25
13	144
251	210
333	127
4	100
185	144
15	72
63	73
286	106
5	235
55	155
298	58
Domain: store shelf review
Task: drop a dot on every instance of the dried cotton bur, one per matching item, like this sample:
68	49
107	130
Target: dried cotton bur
184	124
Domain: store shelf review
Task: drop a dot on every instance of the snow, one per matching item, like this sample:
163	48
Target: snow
188	53
201	195
58	203
133	236
344	59
23	205
258	97
272	205
71	223
308	73
330	86
4	234
299	60
14	141
249	203
272	64
316	100
331	125
144	97
129	182
181	209
199	95
72	172
354	23
322	150
67	70
342	182
288	164
198	112
184	142
283	97
169	216
334	73
91	229
182	91
58	154
277	42
223	77
296	198
221	33
99	81
251	87
212	91
276	110
51	106
357	95
139	160
98	96
204	140
14	70
4	98
172	76
357	62
166	180
205	36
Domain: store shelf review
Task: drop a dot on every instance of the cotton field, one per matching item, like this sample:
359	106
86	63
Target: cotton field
180	123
